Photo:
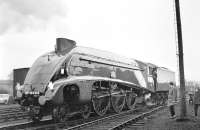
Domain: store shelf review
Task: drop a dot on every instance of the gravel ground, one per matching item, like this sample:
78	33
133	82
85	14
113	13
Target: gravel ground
161	121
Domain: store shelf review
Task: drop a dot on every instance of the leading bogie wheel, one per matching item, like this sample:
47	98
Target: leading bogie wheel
59	114
36	118
86	111
35	115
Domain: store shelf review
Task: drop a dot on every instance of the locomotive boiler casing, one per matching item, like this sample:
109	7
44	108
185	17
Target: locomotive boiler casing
89	62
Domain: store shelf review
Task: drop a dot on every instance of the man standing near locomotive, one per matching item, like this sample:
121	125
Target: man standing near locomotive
172	98
154	74
196	101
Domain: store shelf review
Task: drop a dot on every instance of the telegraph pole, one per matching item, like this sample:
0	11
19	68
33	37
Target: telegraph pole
183	110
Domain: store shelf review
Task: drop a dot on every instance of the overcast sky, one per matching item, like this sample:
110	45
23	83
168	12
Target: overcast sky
143	30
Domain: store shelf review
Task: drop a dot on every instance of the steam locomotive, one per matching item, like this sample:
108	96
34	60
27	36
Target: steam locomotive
77	80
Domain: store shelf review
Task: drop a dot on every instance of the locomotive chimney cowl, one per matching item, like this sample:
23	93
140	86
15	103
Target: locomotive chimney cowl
64	45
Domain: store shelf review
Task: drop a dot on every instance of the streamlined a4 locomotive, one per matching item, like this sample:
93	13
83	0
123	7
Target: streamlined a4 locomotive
77	80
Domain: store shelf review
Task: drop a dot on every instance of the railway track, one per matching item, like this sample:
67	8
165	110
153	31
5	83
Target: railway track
8	108
12	113
134	120
117	121
95	122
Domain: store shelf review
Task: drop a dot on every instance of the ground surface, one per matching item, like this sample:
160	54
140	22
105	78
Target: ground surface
161	121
